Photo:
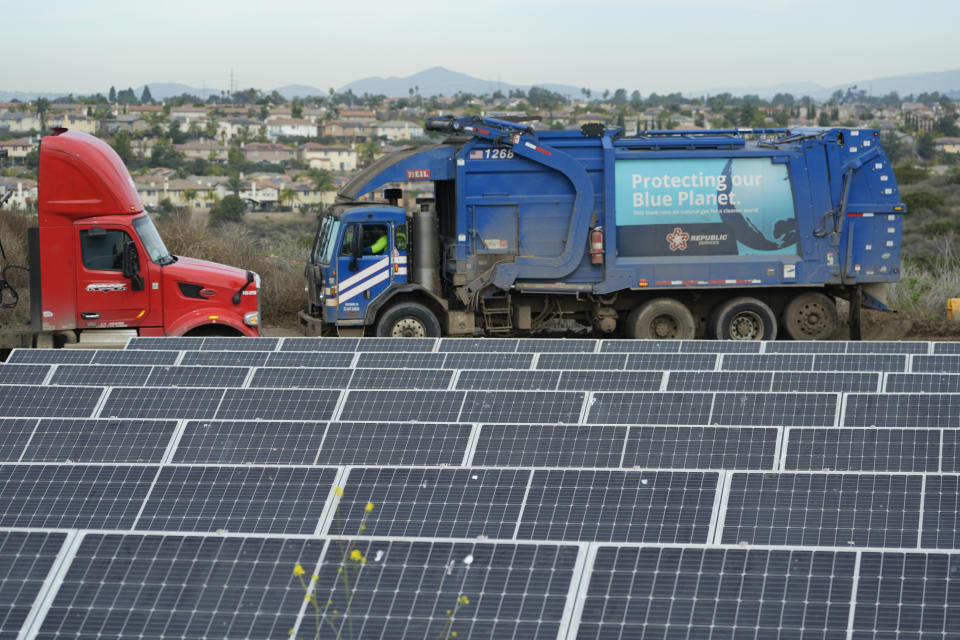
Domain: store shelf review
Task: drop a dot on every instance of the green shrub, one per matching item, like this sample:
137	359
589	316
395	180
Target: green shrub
909	174
922	200
942	227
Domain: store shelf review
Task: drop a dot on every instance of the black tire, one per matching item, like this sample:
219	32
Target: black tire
743	319
811	316
408	320
661	319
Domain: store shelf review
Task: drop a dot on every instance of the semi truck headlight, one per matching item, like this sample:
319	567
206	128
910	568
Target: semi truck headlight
251	319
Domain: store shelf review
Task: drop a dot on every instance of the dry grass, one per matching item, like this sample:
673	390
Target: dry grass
13	235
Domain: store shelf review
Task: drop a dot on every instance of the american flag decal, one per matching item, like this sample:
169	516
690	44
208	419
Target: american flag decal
476	154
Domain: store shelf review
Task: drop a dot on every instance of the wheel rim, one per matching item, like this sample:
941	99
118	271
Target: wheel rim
664	327
746	325
811	319
408	328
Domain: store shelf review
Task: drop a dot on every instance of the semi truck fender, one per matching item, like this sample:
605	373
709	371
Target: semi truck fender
411	291
210	316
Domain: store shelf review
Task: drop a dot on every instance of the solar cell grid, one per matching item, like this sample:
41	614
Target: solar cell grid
225	358
182	343
787	409
326	359
250	499
406	379
826	382
15	433
465	360
672	361
392	344
863	450
434	503
493	379
358	443
892	346
650	408
623	506
767	362
950	444
23	373
72	497
944	348
523	406
162	586
902	410
720	346
21	401
922	383
104	441
113	356
277	404
319	344
161	403
662	447
249	442
406	588
189	376
717	593
478	345
553	345
935	364
810	347
581	380
859	362
719	381
403	406
103	375
640	346
569	361
25	560
300	378
509	445
401	360
50	356
215	343
821	509
941	512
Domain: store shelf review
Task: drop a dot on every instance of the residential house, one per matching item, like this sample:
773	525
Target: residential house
398	130
24	193
329	157
154	189
346	129
358	115
261	194
203	150
19	121
188	114
279	113
17	150
291	127
268	152
78	123
144	109
947	145
129	122
233	127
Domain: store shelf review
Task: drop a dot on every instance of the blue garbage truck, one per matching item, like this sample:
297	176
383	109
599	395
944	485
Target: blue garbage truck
728	233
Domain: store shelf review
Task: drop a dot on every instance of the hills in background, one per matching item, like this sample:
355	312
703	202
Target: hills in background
441	81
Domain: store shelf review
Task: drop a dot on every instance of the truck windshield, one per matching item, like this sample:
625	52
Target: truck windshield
152	241
327	237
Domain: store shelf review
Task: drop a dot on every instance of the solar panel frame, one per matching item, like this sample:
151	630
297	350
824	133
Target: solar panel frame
100	441
222	442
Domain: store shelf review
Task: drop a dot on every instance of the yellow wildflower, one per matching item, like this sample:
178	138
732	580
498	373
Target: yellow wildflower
298	570
453	634
463	600
369	507
338	491
448	611
314	577
355	554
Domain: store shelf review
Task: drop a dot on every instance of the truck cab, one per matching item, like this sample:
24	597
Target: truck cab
97	262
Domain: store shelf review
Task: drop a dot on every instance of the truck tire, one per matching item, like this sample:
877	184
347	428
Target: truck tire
661	319
408	320
811	316
743	319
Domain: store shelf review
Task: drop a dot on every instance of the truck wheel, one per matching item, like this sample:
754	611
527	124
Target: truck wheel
811	316
661	319
408	320
743	319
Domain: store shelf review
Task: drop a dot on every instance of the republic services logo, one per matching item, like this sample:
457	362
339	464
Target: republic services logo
678	239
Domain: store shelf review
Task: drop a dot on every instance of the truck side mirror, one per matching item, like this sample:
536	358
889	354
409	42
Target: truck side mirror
131	265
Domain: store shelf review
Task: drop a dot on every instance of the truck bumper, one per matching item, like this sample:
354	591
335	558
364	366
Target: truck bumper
310	325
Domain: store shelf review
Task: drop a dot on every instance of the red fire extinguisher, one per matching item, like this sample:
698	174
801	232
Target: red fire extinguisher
596	245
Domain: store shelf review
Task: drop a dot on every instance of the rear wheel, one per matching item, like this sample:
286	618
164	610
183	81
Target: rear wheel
661	319
811	316
743	319
408	320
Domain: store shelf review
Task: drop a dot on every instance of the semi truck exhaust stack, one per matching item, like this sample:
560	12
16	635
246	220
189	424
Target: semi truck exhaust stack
426	254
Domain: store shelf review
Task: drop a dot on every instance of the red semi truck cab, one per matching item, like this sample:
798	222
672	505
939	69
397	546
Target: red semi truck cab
98	263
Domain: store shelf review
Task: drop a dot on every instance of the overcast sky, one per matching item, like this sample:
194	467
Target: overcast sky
682	45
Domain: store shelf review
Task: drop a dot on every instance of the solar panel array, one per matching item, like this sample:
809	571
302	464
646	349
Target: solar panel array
480	488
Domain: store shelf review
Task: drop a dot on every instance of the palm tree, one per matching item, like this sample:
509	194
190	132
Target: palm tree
189	195
287	194
235	184
43	105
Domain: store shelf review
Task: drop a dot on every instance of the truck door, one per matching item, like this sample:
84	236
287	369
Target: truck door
105	298
363	267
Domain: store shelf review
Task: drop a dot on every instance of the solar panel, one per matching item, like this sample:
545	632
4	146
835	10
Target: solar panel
15	433
393	344
650	408
549	445
250	499
23	373
388	360
522	406
640	346
300	378
309	359
189	376
810	347
554	345
406	379
218	343
892	346
161	403
320	344
277	404
950	445
21	401
466	360
182	343
113	356
102	375
225	358
493	379
720	346
788	409
568	361
479	345
624	506
164	586
823	509
936	364
719	381
104	441
768	362
664	447
433	503
72	497
902	410
944	348
941	504
826	382
406	588
863	450
249	442
25	560
651	592
358	443
672	361
403	406
581	380
922	383
49	356
869	362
